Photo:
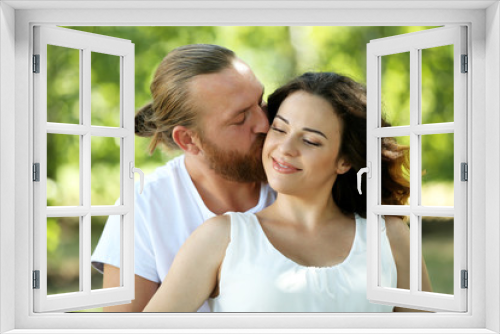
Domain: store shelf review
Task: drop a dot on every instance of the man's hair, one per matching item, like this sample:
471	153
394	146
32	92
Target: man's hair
348	100
172	104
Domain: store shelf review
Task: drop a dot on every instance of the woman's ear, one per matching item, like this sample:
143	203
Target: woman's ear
343	166
186	139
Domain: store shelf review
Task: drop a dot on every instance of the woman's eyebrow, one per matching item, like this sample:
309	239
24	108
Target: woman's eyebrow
305	129
283	119
315	131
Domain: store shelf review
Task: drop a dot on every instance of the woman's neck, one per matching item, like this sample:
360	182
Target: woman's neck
308	212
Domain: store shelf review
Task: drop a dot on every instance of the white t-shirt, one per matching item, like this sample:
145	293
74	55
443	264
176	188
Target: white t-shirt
166	213
256	277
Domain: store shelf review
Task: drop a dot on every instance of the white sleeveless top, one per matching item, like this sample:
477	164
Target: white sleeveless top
256	277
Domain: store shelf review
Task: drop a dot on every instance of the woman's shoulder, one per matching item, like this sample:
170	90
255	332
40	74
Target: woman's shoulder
220	222
216	230
217	223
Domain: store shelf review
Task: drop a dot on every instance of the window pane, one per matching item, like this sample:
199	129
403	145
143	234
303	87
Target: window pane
63	170
105	170
437	84
63	255
388	278
395	93
105	90
97	227
395	171
437	251
437	170
63	85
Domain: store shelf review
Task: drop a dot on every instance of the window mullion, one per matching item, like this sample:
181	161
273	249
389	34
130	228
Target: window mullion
405	210
420	129
85	167
414	170
80	130
77	211
433	129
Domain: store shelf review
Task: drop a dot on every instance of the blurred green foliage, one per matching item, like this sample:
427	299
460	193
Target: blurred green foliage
63	85
276	54
395	89
63	250
437	250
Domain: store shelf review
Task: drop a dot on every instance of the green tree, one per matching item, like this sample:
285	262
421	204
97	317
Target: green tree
275	53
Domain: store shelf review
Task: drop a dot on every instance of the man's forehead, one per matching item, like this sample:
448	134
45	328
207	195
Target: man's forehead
241	67
228	81
237	72
225	93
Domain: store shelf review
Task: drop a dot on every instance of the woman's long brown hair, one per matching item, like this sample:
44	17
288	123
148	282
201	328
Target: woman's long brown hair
348	99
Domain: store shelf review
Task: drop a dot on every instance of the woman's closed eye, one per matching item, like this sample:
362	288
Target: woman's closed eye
308	142
274	128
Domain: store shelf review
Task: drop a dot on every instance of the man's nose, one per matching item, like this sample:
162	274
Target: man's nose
261	121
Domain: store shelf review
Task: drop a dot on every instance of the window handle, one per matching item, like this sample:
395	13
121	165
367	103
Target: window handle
368	171
133	170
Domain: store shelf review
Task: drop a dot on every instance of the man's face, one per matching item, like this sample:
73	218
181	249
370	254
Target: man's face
232	122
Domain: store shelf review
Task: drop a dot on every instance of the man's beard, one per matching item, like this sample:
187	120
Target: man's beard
236	166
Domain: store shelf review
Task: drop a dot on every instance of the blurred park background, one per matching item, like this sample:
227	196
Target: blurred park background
276	54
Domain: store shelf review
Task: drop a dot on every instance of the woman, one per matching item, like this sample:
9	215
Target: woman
307	251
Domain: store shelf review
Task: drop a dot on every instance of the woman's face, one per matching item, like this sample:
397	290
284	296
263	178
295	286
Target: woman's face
301	149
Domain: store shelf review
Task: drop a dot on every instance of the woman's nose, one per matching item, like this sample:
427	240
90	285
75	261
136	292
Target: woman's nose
288	147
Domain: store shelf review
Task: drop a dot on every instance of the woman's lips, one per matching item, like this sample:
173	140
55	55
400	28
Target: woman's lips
284	168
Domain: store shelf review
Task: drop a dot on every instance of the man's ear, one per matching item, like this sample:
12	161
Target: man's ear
186	139
343	166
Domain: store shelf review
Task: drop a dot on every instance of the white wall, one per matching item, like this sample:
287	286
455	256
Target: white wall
492	172
7	162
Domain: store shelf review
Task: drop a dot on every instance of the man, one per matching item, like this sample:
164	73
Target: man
208	103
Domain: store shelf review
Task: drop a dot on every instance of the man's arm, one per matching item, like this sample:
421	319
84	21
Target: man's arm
144	290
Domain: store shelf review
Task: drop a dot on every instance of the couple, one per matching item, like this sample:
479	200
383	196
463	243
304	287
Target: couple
294	243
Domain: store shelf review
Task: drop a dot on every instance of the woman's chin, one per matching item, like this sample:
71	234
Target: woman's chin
283	187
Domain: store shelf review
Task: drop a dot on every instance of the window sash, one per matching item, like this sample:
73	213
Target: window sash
413	43
86	44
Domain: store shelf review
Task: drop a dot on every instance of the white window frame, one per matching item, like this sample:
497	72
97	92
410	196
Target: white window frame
414	43
85	43
16	21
